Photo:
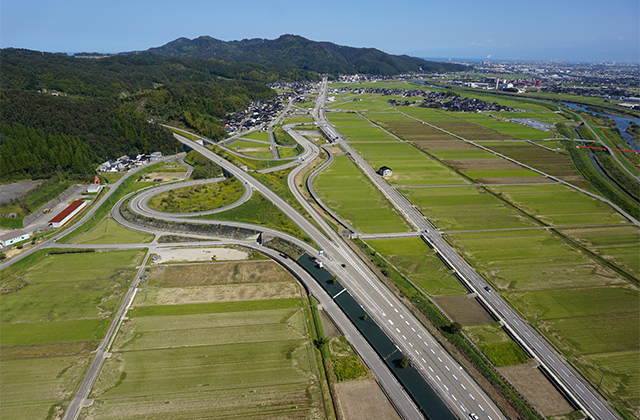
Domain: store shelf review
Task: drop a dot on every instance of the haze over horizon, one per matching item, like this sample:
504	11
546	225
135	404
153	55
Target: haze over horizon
587	31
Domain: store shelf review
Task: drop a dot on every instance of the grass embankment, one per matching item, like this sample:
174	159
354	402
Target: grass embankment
260	211
202	167
55	311
110	232
283	138
198	198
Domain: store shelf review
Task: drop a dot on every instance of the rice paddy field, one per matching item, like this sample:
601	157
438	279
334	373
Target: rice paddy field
590	312
559	205
465	208
55	311
219	358
410	166
348	192
420	264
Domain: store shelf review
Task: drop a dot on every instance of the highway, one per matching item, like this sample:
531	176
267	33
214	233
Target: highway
542	351
454	385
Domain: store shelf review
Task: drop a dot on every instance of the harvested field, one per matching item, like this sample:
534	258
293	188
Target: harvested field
409	129
470	131
464	309
162	176
217	273
516	180
201	254
453	144
483	164
537	389
219	293
364	400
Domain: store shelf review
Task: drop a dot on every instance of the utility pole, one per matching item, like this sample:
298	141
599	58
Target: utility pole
536	324
603	371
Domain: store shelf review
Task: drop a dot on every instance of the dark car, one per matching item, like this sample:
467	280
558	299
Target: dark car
487	288
343	265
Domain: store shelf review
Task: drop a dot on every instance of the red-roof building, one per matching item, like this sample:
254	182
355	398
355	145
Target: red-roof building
67	214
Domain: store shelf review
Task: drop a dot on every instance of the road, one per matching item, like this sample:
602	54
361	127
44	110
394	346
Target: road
454	385
555	365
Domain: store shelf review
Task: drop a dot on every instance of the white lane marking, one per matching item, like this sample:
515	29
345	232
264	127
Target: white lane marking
420	337
406	322
447	367
454	397
401	315
398	329
412	329
440	360
404	338
425	343
391	322
417	352
463	387
410	344
438	378
455	377
395	310
472	397
480	407
445	387
433	351
463	408
430	369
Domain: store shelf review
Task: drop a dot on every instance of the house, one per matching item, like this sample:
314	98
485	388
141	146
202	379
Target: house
67	214
13	237
93	188
385	171
155	156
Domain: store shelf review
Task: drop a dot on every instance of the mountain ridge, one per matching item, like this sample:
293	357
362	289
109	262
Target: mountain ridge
321	57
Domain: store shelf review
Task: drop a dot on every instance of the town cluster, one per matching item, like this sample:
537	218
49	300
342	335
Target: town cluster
125	162
258	113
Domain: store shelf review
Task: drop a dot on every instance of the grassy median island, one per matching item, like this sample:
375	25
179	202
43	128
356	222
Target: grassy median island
253	359
198	197
55	310
110	232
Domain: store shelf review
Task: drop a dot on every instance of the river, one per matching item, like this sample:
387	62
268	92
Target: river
621	122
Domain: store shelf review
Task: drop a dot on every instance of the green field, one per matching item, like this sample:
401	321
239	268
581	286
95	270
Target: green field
55	311
248	359
347	191
110	232
620	244
557	204
494	342
257	135
415	260
465	207
410	166
240	144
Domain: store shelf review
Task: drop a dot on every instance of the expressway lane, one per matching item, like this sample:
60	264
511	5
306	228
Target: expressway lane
563	374
458	390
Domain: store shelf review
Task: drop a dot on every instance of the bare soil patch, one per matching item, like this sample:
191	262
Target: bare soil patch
363	400
329	328
471	131
444	145
536	388
464	309
516	180
162	176
218	273
483	164
201	254
221	293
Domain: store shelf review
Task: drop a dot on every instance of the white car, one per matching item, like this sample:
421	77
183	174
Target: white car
474	416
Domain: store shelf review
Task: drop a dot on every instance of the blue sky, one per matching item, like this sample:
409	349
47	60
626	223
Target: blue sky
586	30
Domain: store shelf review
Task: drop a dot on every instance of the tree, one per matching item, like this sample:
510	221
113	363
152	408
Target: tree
405	362
455	327
334	279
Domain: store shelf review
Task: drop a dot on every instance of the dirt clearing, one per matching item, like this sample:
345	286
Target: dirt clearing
201	254
217	273
464	309
221	293
364	400
532	383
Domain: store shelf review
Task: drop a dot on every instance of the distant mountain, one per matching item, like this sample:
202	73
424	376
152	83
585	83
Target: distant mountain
321	57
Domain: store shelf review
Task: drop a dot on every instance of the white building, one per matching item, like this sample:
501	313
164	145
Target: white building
13	237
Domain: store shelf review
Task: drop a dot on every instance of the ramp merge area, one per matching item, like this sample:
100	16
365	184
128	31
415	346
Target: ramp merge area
416	386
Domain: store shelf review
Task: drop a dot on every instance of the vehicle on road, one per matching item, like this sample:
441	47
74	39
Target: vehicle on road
474	416
487	288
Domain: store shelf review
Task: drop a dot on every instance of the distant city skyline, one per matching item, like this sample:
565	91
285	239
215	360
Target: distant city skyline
570	30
